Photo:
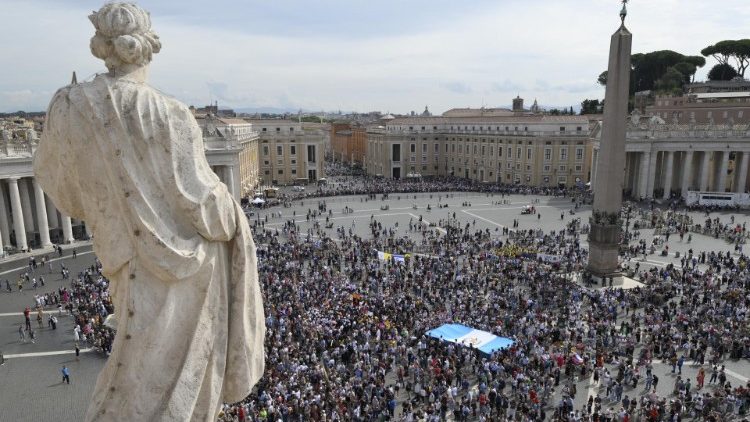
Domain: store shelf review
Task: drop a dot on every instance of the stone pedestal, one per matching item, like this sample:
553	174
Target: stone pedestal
604	249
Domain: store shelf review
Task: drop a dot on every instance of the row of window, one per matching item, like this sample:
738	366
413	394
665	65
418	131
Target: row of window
293	151
666	115
547	168
529	153
497	128
280	172
278	129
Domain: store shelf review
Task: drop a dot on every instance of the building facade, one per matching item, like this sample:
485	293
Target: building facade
664	160
29	218
716	108
535	150
232	151
290	152
349	143
712	102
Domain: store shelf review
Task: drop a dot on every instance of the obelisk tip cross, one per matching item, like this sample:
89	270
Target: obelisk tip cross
624	11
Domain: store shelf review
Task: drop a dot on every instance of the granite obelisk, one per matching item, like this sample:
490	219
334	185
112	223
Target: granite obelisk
606	228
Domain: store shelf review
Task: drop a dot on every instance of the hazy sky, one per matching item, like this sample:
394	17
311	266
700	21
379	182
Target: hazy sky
360	55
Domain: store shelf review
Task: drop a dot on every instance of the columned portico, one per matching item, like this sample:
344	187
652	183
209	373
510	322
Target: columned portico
229	173
723	168
28	216
4	217
651	174
18	224
54	222
687	173
644	176
669	167
705	167
67	227
41	213
741	182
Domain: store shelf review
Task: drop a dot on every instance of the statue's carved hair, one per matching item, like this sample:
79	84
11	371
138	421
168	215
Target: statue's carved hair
123	35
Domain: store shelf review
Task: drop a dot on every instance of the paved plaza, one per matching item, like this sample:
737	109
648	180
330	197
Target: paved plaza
30	380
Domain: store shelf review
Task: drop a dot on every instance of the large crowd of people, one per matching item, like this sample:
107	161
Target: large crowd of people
370	185
346	329
86	300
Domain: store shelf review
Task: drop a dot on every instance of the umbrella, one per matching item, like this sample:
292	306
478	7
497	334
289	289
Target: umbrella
258	201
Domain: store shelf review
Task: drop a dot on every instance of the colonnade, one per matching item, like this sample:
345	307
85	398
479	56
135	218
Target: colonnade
227	175
660	174
28	218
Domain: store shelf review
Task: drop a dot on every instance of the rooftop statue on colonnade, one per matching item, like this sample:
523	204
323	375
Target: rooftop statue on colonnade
173	242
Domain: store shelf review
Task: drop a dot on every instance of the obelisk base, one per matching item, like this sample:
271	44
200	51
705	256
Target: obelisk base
604	250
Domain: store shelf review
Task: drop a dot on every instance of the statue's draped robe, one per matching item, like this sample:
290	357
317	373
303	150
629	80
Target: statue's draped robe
176	246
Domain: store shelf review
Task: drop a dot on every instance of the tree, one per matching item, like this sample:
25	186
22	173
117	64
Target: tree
741	54
687	69
602	79
591	106
722	51
670	82
722	72
571	111
648	68
719	51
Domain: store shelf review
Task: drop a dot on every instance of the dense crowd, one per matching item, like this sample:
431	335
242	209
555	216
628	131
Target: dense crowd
86	300
377	186
346	330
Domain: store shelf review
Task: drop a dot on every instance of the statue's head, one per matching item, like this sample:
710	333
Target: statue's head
123	36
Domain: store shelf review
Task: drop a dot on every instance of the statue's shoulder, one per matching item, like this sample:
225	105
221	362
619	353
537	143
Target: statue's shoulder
69	93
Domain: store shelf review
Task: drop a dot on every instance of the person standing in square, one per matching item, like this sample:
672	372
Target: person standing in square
65	374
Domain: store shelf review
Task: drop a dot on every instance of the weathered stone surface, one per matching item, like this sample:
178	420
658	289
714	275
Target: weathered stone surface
173	242
610	172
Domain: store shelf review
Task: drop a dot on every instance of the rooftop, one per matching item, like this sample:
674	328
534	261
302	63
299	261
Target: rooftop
489	119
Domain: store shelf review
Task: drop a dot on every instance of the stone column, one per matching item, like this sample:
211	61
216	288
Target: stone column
652	174
704	170
41	214
28	215
229	171
15	204
4	217
742	172
87	228
643	174
721	182
54	222
687	173
67	227
669	156
594	166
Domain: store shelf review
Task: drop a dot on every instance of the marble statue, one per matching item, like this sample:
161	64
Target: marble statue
635	117
173	242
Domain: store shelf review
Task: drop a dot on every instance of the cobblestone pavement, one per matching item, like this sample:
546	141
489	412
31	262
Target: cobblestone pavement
30	387
30	378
